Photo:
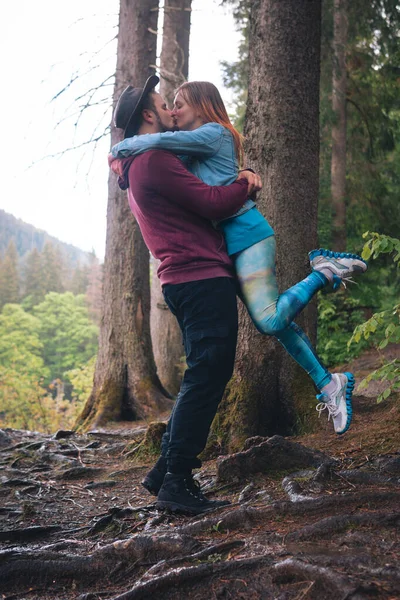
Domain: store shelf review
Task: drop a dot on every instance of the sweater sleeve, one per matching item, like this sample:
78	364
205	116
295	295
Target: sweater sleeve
202	142
170	179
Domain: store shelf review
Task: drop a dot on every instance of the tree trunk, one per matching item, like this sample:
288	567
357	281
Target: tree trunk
339	89
126	385
175	47
269	393
166	338
165	333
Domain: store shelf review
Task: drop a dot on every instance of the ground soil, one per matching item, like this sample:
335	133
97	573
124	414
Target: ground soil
75	523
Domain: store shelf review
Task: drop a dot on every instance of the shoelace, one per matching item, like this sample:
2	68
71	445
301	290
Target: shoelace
342	281
331	407
193	487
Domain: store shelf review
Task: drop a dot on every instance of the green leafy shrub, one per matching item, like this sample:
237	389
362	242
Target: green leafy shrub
338	314
383	327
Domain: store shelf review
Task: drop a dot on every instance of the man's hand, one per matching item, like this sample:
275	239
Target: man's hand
254	184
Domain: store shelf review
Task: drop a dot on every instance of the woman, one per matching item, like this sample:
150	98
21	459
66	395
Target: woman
211	149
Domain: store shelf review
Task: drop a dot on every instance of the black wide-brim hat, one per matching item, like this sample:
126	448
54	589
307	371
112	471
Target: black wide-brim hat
130	104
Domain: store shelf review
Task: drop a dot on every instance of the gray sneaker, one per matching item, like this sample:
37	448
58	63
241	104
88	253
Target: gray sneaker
342	265
339	404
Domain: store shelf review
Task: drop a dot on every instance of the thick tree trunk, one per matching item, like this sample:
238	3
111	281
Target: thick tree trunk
175	47
165	333
339	89
166	338
126	385
269	393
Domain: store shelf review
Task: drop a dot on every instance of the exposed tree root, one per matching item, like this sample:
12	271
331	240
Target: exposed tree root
331	585
294	489
216	549
28	533
180	576
247	517
274	454
339	523
368	478
40	567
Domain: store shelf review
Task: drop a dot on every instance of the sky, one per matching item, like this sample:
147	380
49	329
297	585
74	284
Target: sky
44	45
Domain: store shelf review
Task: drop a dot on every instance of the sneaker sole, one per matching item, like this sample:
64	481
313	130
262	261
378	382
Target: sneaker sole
181	508
349	405
330	254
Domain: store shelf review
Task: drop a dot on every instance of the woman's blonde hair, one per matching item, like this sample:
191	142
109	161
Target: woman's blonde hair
205	98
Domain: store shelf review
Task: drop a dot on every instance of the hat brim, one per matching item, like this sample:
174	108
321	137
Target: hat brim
150	84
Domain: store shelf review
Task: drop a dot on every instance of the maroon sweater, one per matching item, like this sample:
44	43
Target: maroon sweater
174	210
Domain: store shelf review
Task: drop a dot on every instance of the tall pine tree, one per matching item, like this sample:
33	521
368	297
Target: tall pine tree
9	276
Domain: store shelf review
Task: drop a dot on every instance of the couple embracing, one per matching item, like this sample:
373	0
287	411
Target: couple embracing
196	214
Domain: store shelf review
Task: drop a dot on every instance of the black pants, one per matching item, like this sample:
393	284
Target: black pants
207	314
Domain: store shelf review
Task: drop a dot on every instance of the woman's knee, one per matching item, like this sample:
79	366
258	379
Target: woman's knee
271	326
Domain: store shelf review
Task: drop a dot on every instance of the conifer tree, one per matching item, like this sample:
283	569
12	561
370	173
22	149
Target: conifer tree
9	277
34	290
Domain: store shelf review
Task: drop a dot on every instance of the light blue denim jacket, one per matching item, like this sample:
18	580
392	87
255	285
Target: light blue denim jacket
209	153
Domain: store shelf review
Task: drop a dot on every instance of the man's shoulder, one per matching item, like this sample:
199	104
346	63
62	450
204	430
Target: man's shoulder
155	165
154	157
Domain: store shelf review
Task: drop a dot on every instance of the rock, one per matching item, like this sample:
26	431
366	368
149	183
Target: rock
253	441
62	433
79	473
275	454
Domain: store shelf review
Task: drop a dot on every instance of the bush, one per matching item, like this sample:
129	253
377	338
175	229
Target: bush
383	327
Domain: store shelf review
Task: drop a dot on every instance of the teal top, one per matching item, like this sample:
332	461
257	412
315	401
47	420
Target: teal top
209	153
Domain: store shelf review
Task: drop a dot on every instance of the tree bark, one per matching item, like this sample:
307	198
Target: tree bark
269	393
166	338
175	47
339	89
165	333
126	385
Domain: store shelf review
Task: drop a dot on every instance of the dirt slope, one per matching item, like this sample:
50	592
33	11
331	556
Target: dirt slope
319	521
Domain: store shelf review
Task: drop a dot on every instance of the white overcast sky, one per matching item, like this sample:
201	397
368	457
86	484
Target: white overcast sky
42	44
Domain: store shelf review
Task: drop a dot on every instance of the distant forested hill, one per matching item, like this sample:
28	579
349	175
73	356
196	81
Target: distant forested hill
26	237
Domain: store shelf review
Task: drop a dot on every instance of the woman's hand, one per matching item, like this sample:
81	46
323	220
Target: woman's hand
254	183
115	165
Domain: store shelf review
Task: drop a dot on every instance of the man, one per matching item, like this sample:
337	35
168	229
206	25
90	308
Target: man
174	211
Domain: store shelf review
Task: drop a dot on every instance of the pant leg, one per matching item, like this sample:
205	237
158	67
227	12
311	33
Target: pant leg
297	344
271	312
207	310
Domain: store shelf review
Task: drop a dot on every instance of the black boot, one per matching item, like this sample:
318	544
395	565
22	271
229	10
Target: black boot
155	477
181	493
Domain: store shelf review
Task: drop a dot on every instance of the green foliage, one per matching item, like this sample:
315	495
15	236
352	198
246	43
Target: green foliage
52	269
373	119
34	349
34	289
81	379
69	336
21	369
381	244
338	314
383	327
9	279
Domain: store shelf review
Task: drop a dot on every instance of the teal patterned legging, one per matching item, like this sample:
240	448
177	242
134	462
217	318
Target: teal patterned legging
273	313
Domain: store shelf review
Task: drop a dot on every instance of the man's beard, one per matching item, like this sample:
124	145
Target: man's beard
163	128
